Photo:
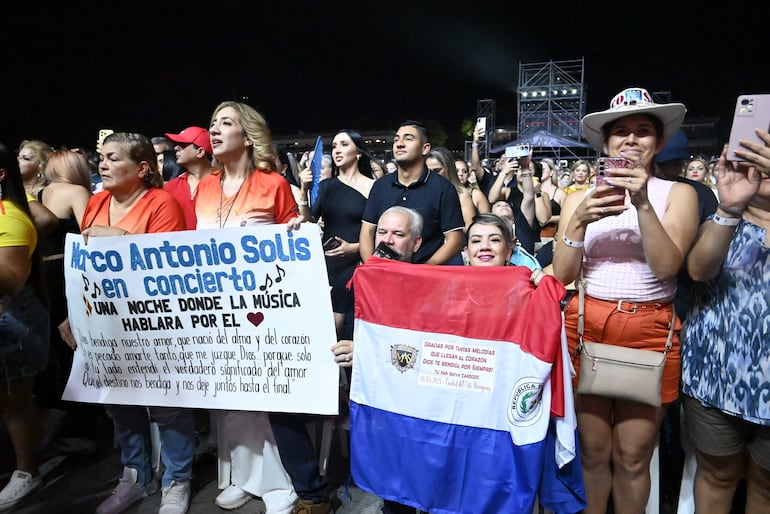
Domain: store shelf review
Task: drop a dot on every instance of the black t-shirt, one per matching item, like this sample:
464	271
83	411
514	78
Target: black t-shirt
433	196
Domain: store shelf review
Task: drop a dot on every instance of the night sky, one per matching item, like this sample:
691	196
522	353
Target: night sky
310	67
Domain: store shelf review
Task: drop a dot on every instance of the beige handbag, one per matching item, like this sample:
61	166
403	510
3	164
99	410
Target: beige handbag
618	372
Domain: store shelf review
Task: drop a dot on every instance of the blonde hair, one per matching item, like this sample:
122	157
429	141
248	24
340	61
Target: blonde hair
42	151
262	153
69	167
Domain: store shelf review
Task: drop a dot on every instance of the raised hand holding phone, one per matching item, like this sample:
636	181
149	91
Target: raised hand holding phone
752	112
481	124
520	153
604	174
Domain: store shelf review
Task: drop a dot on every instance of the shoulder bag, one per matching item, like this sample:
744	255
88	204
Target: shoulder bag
619	372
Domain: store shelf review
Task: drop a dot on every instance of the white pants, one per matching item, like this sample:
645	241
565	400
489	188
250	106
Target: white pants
249	459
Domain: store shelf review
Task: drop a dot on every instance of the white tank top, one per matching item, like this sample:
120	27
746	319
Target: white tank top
614	267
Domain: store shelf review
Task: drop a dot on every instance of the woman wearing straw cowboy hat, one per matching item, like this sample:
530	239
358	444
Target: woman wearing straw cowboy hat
626	241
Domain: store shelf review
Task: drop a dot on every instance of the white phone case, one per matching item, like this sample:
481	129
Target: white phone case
481	123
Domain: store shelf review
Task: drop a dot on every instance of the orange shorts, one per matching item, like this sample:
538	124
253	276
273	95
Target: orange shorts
646	329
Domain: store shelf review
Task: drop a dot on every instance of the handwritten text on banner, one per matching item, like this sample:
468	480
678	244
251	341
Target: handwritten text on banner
234	318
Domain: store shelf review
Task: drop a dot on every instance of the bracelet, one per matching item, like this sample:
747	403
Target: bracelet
570	242
302	204
474	145
732	212
725	222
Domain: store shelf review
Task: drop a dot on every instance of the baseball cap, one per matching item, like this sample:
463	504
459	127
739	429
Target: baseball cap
630	101
195	135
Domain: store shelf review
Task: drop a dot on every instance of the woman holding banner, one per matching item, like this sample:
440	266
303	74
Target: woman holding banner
247	190
133	202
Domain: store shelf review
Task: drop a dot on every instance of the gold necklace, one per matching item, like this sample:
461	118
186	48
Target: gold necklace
222	222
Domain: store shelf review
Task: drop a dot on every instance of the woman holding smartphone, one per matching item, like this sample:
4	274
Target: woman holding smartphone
515	185
340	203
628	256
726	365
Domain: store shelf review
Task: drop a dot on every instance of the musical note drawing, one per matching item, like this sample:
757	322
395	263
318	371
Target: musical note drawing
281	273
89	307
268	283
97	290
86	283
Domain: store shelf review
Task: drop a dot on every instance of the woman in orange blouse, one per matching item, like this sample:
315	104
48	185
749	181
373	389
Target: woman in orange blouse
133	202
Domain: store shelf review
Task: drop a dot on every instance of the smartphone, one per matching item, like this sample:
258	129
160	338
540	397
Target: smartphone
517	151
330	244
386	252
563	164
751	112
481	123
103	133
603	164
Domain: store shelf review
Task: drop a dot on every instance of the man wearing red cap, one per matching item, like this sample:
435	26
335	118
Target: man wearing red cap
193	153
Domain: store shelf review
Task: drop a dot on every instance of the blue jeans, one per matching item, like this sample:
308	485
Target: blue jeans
177	439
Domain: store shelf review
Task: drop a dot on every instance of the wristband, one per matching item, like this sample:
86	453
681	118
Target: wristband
538	194
474	145
732	212
302	204
725	222
570	242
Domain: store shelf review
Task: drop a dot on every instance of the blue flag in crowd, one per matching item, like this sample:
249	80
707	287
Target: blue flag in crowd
315	165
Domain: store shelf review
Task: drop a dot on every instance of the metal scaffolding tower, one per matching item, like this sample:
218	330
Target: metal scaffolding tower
551	97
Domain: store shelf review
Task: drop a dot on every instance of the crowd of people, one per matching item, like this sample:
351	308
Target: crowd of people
668	243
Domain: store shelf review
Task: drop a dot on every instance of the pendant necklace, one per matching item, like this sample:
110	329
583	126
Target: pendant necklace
222	222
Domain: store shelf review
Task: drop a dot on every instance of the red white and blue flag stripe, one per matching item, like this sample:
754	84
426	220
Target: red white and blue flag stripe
461	398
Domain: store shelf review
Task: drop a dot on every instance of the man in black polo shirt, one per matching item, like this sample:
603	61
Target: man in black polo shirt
414	186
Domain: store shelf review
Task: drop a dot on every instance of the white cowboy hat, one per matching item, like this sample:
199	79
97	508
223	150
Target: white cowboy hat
632	101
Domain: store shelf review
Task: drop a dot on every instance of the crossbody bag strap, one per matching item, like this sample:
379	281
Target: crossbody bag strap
581	307
670	340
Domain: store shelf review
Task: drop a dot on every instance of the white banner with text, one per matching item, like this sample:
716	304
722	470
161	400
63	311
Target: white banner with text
236	318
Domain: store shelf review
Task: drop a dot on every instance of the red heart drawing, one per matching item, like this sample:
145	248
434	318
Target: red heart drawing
255	318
